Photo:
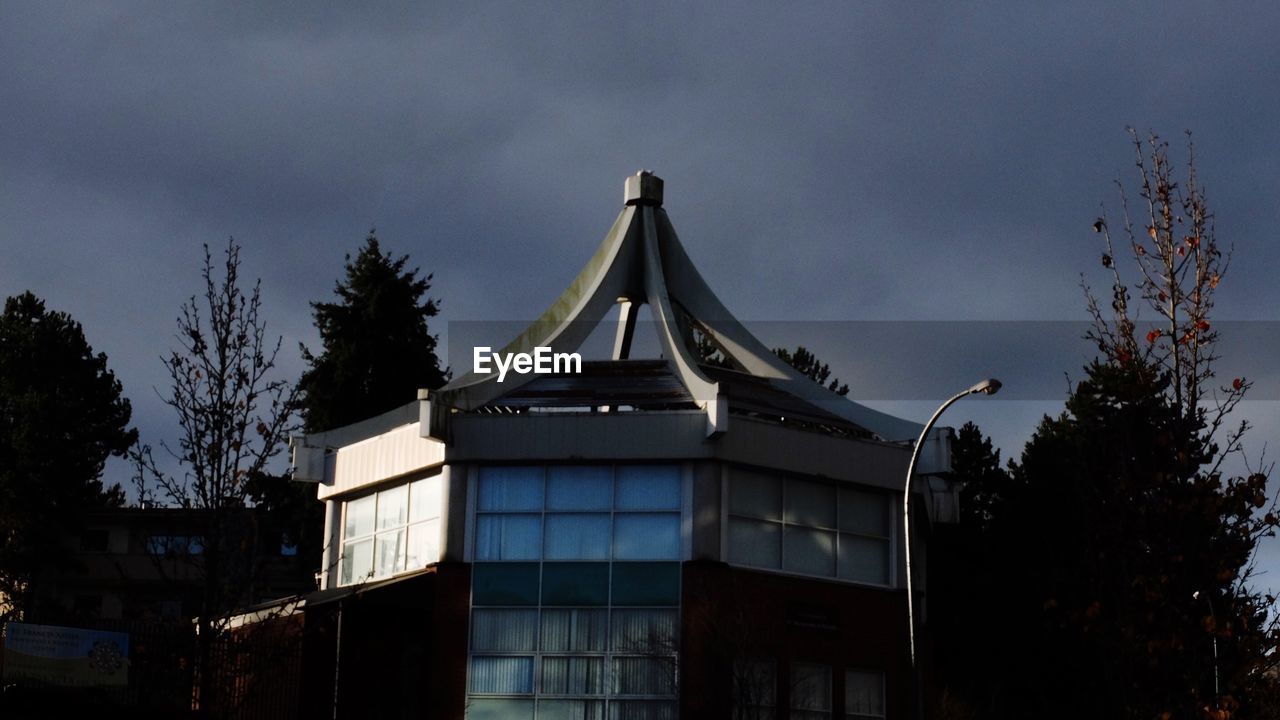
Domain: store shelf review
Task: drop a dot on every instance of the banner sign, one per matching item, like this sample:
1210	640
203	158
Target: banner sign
66	657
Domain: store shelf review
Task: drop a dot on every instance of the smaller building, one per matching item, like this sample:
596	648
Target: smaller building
140	564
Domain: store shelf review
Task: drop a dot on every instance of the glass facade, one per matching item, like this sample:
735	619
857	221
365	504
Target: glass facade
391	531
575	593
810	528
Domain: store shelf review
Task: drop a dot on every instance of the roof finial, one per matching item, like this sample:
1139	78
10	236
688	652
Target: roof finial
643	188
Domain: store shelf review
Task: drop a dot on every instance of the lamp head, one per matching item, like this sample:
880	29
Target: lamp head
989	386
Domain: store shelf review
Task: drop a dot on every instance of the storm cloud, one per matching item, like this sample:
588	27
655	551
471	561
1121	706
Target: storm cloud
870	161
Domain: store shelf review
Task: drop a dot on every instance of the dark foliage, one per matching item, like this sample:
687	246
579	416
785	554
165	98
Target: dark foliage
709	353
377	349
809	366
61	416
1108	573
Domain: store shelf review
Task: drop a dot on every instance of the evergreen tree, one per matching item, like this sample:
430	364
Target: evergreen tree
811	367
1108	573
61	416
709	353
966	586
377	349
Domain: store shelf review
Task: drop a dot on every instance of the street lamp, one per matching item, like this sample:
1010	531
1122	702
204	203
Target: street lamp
987	387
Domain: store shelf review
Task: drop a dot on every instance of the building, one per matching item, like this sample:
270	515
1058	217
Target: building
645	538
140	571
146	564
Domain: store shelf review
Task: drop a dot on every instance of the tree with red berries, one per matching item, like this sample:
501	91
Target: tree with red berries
1111	567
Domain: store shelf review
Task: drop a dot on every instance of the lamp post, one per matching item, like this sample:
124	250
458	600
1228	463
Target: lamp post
987	387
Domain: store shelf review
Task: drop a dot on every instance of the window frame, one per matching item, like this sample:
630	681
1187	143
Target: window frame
884	698
608	650
794	681
405	528
678	510
728	516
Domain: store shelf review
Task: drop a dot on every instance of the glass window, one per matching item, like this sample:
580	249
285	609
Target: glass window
570	710
504	630
579	488
573	676
504	584
810	692
864	512
175	545
574	629
811	504
393	507
648	487
649	632
805	540
812	552
755	542
502	675
508	537
642	710
576	583
424	499
646	583
406	520
863	695
646	536
499	709
509	489
388	553
754	689
864	559
424	544
159	544
598	597
360	516
755	495
577	536
357	561
644	676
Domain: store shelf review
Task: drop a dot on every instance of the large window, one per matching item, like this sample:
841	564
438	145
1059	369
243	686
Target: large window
575	593
391	531
578	513
754	688
808	527
863	695
810	692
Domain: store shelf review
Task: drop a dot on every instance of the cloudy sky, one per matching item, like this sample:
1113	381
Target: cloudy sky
853	161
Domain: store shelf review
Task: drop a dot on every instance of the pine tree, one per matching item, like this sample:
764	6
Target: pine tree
1108	573
811	367
62	414
377	348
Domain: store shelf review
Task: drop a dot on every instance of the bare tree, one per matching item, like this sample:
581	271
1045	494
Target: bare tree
234	416
1174	247
1179	263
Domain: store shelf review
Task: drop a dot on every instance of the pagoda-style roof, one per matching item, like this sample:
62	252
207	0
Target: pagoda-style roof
641	261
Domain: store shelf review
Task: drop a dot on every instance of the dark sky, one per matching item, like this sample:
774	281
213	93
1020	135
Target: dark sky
853	161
